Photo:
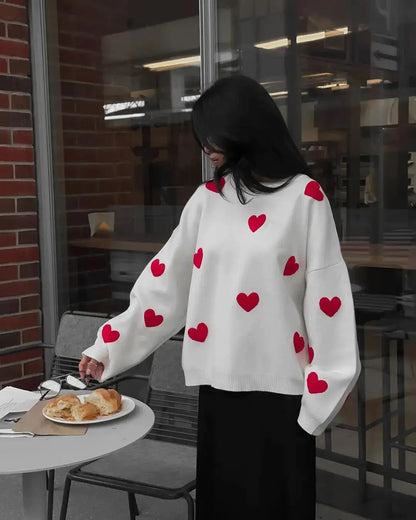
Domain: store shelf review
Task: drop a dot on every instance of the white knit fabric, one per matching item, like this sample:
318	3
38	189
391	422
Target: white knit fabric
263	293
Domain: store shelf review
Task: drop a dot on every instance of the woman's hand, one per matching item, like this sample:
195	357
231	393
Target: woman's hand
90	367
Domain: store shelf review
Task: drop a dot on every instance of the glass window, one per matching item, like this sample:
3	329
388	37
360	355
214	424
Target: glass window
123	78
343	75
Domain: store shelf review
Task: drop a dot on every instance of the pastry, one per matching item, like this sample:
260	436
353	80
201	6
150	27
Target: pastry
107	401
85	412
61	406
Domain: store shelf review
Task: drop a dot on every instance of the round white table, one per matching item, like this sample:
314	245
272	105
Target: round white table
32	457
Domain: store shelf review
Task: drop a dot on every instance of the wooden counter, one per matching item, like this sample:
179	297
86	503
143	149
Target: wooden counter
118	245
355	253
361	253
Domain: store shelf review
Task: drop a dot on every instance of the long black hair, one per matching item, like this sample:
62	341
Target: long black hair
236	116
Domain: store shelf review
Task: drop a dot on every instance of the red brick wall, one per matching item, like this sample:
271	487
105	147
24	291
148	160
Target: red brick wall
20	318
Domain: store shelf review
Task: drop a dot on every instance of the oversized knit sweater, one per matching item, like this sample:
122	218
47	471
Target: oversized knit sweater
263	293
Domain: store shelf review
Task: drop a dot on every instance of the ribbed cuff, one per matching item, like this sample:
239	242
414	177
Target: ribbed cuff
98	352
309	423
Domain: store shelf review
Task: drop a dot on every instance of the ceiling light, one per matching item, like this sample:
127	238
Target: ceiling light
317	75
280	93
125	116
328	85
126	105
310	37
340	31
302	38
190	98
273	44
175	63
340	85
374	81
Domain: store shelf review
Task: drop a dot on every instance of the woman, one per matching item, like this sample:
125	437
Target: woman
255	274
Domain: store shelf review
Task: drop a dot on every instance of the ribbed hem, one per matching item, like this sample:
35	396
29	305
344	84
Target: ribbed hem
244	383
309	423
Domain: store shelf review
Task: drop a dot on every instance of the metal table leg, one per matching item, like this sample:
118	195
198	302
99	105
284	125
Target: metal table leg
361	419
34	496
401	405
385	352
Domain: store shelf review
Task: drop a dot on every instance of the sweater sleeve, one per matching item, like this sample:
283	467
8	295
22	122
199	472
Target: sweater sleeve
158	301
334	364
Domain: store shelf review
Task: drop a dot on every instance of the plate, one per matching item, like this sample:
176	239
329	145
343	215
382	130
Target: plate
127	406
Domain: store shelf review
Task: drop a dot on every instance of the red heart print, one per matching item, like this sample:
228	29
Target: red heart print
255	222
248	301
211	185
199	333
109	335
157	268
291	267
314	190
298	342
311	354
198	258
330	307
316	385
151	319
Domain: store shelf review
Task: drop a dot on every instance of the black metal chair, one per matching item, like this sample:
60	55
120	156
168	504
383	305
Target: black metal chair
376	309
394	402
163	464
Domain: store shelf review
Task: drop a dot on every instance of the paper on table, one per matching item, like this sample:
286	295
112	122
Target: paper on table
16	400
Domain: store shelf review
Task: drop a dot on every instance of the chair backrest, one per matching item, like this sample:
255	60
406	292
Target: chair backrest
174	404
77	331
167	374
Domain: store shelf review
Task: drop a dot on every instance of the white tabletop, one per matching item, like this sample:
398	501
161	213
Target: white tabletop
26	455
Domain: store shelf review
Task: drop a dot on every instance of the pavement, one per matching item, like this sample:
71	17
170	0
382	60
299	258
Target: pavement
94	503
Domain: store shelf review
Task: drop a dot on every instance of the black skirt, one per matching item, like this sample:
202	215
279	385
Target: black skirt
253	459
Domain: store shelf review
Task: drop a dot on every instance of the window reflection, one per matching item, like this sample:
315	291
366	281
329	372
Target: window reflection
343	75
125	77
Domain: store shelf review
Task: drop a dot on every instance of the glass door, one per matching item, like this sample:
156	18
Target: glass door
123	78
343	75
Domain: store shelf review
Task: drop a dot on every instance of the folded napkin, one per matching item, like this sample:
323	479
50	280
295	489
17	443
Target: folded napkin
34	422
16	400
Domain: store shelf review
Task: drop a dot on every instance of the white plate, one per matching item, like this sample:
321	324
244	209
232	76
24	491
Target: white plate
127	406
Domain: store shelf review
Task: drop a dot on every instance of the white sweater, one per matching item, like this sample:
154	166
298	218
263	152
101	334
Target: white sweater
263	293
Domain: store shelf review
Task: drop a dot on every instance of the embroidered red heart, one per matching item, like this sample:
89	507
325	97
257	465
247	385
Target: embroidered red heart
298	342
311	354
291	267
199	333
211	185
316	385
198	258
151	319
314	190
255	222
330	307
109	335
248	301
157	268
